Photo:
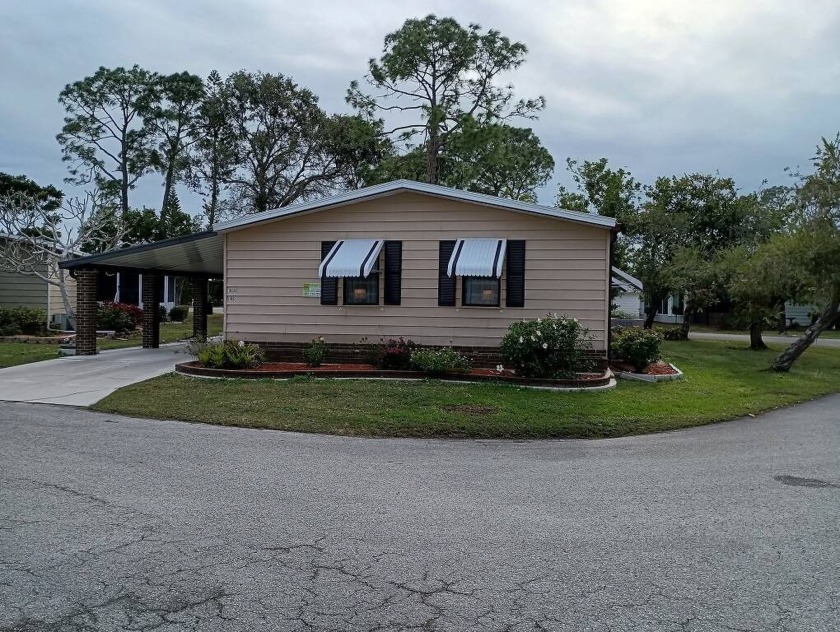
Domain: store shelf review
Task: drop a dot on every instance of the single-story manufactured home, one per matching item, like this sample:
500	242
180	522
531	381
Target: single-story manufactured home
627	293
436	265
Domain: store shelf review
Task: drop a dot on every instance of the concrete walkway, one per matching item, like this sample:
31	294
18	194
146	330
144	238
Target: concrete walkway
783	340
84	380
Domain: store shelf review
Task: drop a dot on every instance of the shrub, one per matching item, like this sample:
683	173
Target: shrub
639	347
178	313
549	347
439	361
162	314
120	317
316	352
396	354
227	355
30	321
624	315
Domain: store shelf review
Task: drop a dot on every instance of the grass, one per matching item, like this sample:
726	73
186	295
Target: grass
723	381
169	332
14	353
791	333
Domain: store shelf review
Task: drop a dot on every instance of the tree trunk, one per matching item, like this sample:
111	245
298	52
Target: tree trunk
167	187
786	359
756	341
650	317
65	298
432	162
688	314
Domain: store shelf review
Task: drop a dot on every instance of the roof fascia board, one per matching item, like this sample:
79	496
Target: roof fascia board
408	186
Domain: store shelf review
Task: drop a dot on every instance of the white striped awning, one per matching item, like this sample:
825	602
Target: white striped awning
478	257
351	258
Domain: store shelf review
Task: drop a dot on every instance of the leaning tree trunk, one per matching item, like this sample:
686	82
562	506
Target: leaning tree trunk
756	341
786	359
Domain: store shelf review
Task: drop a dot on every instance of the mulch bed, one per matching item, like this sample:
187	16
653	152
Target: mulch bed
657	368
284	370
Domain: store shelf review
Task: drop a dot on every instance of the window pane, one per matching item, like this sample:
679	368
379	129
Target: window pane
362	291
481	291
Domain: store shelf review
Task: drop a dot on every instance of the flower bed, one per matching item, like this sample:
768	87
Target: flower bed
285	370
654	372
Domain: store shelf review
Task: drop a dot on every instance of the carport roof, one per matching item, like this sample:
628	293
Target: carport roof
197	254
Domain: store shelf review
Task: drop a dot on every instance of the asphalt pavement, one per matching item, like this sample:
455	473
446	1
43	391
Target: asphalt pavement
109	523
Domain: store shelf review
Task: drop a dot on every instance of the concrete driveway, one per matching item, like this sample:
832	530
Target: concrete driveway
84	380
108	523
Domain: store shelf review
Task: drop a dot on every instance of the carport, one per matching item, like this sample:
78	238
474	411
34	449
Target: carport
199	257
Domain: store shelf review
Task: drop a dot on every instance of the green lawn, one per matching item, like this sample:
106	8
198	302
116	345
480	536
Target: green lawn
13	353
723	381
793	334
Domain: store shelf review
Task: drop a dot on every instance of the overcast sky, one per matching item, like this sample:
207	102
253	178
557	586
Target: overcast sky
661	87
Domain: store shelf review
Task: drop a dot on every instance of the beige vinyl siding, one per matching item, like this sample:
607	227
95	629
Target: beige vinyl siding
19	290
266	267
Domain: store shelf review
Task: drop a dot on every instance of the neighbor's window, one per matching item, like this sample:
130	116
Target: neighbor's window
481	292
362	290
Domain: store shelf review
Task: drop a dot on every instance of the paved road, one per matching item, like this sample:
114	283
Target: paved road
783	340
109	523
83	380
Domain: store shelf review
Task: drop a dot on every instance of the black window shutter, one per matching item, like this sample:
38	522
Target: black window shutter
329	286
446	283
393	272
515	273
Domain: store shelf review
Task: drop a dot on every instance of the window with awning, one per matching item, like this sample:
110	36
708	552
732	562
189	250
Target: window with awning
478	258
351	258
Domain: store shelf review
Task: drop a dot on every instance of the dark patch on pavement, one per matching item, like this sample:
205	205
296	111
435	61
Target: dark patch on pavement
798	481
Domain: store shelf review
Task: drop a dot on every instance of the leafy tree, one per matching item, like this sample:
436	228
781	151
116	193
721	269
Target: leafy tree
287	148
440	77
105	137
804	262
213	150
606	191
171	119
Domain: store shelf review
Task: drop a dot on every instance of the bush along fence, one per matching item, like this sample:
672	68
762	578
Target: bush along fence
551	352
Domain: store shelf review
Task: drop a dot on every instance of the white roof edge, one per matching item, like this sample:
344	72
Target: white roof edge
628	277
396	186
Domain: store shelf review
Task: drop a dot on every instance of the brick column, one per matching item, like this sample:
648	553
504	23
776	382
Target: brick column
86	288
199	294
151	318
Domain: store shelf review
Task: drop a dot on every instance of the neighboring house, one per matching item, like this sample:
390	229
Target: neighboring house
24	290
628	293
437	265
670	310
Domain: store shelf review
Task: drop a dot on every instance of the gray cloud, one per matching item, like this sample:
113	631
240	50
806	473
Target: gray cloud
738	87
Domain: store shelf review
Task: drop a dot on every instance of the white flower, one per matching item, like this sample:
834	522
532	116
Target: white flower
545	345
554	315
575	319
241	343
539	320
500	368
539	333
521	339
533	339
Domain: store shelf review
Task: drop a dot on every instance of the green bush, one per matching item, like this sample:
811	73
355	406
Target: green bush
227	355
639	347
623	315
316	352
439	361
15	321
178	313
121	317
551	347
